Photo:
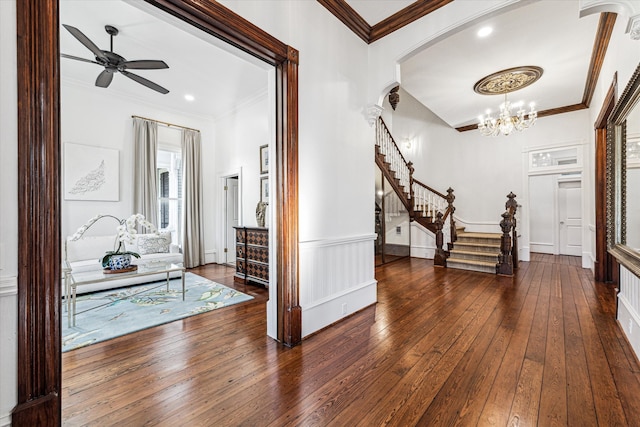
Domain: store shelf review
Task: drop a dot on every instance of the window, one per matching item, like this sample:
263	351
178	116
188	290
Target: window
170	193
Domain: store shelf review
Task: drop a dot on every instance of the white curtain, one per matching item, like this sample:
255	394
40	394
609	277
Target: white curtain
192	232
145	185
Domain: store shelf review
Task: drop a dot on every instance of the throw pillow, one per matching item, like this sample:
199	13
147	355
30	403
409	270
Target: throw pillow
152	244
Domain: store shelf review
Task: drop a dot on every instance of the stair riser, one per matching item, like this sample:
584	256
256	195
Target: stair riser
479	240
483	258
461	266
477	248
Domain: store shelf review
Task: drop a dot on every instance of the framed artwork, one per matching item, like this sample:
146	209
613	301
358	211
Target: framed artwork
264	189
264	159
91	173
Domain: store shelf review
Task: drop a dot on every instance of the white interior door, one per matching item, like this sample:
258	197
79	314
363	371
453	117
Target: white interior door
231	218
570	217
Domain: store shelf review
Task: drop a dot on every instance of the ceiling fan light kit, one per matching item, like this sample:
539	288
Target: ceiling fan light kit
114	63
503	82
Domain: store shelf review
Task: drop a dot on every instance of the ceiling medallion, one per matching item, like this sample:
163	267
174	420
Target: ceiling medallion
501	83
508	80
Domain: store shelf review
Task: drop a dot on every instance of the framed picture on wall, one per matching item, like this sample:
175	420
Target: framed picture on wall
264	189
264	159
91	173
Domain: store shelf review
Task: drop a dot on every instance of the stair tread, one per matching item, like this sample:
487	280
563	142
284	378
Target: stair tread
484	245
480	235
472	262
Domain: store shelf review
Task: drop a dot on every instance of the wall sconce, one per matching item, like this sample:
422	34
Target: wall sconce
406	142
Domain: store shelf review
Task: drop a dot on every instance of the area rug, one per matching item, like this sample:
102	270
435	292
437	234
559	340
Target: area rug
108	314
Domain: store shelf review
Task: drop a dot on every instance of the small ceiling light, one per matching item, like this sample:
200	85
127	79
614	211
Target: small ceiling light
485	31
189	97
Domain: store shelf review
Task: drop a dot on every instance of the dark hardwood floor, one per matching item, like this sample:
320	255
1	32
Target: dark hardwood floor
441	347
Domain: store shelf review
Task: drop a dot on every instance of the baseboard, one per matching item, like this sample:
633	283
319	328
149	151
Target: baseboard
629	322
524	254
327	311
542	248
210	257
5	421
588	260
425	252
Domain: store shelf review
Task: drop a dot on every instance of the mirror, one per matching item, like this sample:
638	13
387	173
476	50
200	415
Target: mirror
623	177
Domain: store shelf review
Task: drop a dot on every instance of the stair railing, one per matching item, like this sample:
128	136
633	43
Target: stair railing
420	199
388	147
508	258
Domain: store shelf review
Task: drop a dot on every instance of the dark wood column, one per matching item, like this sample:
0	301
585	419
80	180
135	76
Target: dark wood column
289	310
39	261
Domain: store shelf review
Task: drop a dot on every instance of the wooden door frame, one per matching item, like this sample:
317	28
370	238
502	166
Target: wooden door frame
39	242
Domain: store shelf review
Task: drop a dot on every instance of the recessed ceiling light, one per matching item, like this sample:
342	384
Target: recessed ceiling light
484	31
189	97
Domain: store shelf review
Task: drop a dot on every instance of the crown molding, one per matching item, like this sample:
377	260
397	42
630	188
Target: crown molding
368	33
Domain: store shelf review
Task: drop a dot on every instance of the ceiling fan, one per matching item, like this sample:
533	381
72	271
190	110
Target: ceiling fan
114	63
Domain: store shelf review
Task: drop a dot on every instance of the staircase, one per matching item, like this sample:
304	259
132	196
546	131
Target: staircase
475	251
484	252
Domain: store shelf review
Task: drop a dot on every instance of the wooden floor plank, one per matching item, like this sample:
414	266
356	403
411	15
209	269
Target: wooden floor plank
441	347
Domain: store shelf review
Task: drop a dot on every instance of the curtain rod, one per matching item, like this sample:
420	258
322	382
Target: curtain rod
165	123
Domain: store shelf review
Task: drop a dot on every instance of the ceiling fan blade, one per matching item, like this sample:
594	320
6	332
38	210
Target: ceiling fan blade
64	55
104	79
147	83
144	65
85	41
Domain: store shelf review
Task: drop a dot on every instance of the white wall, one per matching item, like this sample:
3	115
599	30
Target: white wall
238	137
336	164
98	117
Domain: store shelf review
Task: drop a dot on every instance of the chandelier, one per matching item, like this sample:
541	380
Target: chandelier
506	121
503	82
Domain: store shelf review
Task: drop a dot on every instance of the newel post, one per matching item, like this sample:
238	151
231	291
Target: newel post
512	207
452	222
440	257
505	261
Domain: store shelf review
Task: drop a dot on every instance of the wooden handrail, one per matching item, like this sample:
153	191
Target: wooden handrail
429	188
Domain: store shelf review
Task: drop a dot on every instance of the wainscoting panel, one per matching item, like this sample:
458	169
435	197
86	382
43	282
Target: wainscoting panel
337	278
8	347
423	242
629	307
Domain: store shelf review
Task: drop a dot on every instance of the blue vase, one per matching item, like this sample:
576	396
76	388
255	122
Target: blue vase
119	262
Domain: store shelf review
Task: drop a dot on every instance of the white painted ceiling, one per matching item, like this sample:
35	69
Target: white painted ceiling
194	58
547	33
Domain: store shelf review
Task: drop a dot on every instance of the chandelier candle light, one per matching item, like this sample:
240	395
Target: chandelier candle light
503	82
506	122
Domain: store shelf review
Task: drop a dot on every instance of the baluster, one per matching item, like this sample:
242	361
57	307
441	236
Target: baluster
410	167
